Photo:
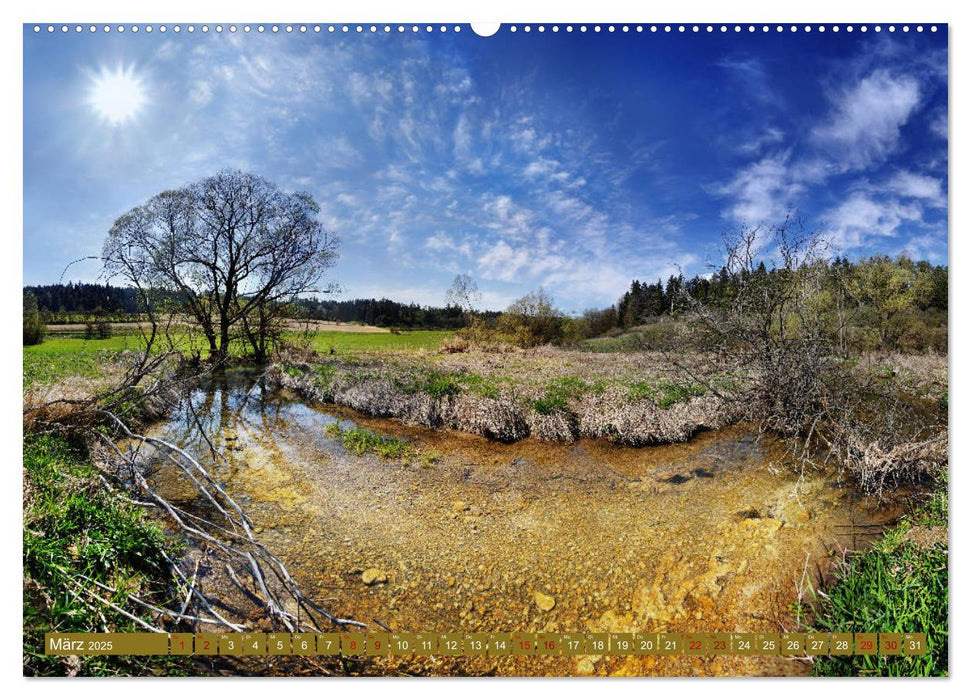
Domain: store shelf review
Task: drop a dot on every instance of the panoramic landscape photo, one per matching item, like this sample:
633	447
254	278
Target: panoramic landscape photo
573	350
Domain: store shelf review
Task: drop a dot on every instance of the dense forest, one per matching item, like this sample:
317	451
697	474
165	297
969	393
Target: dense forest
85	298
385	313
911	284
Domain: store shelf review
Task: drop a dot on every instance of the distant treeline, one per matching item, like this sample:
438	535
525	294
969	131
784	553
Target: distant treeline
78	302
918	284
386	313
85	298
901	303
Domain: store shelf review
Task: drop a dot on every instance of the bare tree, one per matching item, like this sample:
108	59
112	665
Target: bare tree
233	246
770	338
464	293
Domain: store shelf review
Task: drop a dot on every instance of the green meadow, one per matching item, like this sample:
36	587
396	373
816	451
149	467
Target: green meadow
62	356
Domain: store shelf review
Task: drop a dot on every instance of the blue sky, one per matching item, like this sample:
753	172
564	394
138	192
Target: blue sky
573	161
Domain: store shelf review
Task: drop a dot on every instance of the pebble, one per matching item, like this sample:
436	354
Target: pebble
373	576
544	602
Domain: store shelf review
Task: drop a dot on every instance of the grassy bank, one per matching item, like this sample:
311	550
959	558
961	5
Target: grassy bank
76	532
900	584
343	342
550	394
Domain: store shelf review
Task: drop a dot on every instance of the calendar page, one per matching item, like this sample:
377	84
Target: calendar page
515	349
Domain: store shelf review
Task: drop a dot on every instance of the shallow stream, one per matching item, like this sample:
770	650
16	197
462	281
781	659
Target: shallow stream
718	534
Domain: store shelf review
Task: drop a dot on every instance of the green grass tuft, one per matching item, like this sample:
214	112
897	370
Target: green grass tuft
558	394
486	387
74	525
664	394
442	384
360	441
895	586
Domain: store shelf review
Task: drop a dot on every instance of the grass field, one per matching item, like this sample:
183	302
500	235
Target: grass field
56	358
59	357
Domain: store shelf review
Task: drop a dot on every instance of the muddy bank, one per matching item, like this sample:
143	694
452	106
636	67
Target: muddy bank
431	393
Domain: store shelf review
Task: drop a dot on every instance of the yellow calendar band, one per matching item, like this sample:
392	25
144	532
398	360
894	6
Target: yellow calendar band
351	644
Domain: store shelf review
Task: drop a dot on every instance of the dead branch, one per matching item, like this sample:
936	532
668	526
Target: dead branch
228	533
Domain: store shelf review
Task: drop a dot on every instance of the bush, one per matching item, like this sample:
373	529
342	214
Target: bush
34	328
532	320
453	344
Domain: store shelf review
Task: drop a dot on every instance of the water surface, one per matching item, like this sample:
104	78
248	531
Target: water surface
718	534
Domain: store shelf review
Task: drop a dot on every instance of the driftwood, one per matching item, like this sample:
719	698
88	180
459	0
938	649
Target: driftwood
228	536
878	466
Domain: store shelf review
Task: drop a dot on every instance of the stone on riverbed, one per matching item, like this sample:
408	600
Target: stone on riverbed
371	577
544	602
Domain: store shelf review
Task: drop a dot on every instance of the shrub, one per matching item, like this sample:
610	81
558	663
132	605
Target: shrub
453	344
532	320
34	328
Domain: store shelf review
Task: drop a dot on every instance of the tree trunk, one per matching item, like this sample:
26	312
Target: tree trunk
223	337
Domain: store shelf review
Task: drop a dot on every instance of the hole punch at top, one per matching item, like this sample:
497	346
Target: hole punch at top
485	28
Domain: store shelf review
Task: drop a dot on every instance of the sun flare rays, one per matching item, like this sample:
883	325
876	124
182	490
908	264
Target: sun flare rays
117	95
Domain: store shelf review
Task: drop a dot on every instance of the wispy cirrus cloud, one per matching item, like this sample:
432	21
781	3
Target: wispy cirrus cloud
862	131
865	124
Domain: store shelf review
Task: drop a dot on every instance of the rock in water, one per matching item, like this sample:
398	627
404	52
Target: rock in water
374	576
544	602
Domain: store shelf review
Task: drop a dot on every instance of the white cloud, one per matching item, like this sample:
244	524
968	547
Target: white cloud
769	137
503	262
504	216
552	171
763	191
862	130
860	218
865	124
750	73
928	246
917	186
462	137
167	51
441	242
529	140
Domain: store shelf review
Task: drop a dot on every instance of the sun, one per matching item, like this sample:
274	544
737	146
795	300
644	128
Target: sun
118	95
